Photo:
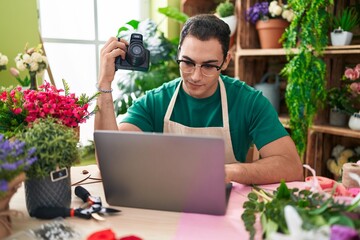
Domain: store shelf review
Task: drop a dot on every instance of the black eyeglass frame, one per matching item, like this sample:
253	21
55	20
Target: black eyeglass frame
206	64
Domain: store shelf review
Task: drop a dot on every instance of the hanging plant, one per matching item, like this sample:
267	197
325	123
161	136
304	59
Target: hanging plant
305	71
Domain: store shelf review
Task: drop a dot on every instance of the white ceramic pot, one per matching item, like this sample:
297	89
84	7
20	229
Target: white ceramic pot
231	21
354	122
340	38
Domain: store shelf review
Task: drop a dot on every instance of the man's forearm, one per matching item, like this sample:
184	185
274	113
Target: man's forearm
105	117
265	171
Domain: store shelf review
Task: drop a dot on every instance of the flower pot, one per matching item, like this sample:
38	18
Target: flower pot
337	118
354	122
231	21
270	90
47	193
340	38
270	32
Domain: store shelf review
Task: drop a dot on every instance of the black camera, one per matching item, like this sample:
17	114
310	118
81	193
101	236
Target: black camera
137	57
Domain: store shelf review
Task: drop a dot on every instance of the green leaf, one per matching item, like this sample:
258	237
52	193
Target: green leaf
252	196
174	13
249	205
341	220
283	191
133	23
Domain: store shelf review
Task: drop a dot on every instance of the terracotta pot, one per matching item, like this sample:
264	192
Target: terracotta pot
270	32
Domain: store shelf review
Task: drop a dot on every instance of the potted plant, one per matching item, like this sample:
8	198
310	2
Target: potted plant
352	78
305	70
15	158
226	12
48	119
340	106
343	24
47	181
271	20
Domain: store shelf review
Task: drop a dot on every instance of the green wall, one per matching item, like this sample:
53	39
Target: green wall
18	26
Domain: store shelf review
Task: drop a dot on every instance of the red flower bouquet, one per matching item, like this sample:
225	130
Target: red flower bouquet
19	107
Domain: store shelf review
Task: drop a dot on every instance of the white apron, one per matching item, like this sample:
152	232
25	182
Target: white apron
222	132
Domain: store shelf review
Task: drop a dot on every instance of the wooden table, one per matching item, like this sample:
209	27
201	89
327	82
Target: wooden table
147	224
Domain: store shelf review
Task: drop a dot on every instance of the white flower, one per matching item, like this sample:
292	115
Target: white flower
273	4
3	60
294	223
26	58
32	60
20	65
288	15
34	66
18	57
276	11
37	57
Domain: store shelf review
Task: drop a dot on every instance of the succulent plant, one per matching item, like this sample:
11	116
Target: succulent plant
56	146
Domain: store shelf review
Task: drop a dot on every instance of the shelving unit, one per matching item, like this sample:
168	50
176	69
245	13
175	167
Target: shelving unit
250	62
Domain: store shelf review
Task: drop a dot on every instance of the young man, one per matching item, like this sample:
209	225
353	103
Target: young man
204	102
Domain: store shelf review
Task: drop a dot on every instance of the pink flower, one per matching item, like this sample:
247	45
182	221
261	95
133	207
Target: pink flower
355	87
17	111
14	72
357	67
48	102
352	74
30	105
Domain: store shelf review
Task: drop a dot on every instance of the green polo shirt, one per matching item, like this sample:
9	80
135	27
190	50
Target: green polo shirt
252	118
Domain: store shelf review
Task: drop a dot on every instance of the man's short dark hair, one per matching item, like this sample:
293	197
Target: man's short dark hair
205	27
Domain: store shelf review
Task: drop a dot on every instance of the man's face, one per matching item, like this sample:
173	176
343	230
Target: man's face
206	53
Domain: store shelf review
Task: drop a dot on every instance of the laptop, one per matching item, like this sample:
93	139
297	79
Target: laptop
163	171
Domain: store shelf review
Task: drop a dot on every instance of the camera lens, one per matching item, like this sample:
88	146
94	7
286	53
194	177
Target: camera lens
136	54
136	50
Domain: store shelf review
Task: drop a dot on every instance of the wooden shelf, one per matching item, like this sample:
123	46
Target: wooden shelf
340	131
330	50
327	129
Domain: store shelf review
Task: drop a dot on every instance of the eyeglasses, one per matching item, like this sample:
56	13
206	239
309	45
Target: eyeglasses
206	69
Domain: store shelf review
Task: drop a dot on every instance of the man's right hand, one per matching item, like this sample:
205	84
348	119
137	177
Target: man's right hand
112	49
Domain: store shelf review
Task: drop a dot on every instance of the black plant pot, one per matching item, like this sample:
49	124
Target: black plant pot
46	193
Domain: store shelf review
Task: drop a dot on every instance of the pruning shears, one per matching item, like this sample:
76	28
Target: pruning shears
92	207
92	204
